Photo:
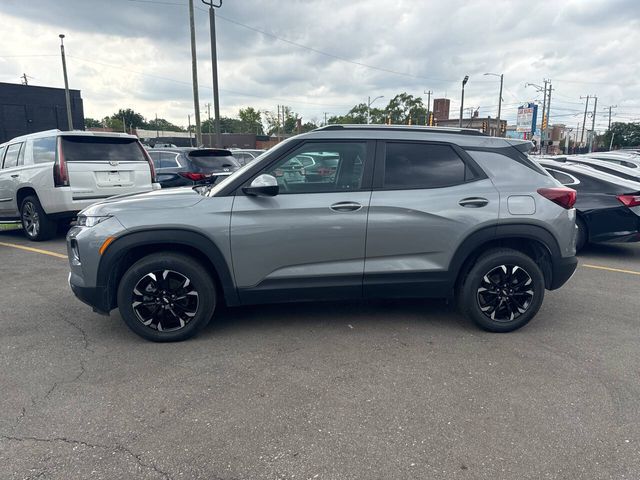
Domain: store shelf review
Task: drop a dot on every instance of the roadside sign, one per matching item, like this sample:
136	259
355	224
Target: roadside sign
526	119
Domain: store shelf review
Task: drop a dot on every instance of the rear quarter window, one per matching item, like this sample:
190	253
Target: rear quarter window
97	149
44	150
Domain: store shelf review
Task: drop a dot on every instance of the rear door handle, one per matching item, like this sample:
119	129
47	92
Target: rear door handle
346	207
473	202
15	175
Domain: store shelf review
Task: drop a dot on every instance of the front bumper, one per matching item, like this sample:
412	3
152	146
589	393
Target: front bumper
95	297
562	270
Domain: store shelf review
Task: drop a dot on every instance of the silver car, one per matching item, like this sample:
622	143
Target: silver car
408	212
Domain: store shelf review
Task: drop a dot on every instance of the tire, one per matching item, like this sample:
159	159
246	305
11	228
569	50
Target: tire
36	224
160	317
582	238
511	306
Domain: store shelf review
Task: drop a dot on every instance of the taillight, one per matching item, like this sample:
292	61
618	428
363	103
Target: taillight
629	200
152	167
563	196
193	176
60	172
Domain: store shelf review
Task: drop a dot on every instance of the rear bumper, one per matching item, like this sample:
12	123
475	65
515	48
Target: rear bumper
562	270
95	297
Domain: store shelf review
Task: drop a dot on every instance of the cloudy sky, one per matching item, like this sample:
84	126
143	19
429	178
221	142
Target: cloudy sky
322	56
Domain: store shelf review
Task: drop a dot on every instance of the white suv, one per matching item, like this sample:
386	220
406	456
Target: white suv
47	177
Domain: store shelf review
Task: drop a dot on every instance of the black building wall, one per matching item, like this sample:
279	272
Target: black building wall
27	109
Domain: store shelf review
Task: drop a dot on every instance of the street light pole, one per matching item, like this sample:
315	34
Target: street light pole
584	119
501	75
66	83
426	120
464	82
593	123
369	102
194	73
214	67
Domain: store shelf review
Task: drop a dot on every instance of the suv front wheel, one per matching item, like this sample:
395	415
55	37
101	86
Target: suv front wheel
166	297
503	290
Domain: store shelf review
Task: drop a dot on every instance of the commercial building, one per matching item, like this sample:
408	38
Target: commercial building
487	125
27	109
441	107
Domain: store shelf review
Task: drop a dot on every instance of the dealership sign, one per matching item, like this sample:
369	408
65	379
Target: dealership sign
526	119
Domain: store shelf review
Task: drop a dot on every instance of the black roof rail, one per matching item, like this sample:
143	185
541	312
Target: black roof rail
403	128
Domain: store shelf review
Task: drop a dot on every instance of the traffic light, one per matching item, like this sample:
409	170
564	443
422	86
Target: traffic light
544	122
431	123
484	126
503	128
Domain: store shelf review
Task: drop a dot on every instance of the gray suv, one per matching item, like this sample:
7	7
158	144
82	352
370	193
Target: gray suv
406	212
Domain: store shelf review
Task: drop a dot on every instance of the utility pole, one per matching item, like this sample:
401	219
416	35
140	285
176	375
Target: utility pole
325	117
544	117
464	82
584	119
593	123
214	67
157	127
194	74
609	108
66	83
189	129
210	126
546	146
428	92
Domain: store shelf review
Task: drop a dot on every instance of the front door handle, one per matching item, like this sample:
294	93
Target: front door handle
473	202
346	207
15	175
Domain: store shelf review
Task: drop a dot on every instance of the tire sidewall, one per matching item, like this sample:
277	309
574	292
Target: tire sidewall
483	266
46	228
198	277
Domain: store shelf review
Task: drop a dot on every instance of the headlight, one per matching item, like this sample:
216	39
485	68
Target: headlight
85	221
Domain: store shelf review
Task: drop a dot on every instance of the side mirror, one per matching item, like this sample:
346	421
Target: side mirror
264	185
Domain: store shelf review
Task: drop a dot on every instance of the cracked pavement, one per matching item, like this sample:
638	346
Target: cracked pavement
389	389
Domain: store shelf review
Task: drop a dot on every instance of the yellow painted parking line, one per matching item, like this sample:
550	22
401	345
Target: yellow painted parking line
34	250
609	269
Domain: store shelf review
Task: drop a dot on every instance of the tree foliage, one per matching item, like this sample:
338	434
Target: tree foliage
403	109
92	123
624	135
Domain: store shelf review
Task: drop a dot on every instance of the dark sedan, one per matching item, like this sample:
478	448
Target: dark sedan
177	167
608	207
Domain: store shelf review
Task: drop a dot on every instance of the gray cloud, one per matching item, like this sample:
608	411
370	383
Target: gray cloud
119	48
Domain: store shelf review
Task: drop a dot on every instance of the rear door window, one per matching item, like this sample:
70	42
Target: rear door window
423	165
169	160
12	156
101	149
44	150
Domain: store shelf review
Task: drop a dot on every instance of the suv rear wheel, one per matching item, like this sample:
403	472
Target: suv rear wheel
35	222
166	297
503	290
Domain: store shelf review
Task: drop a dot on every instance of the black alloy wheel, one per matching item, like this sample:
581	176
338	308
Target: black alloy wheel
505	293
166	297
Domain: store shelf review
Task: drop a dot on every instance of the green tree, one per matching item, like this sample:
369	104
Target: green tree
624	135
131	118
287	123
113	123
405	108
227	125
358	115
251	121
92	123
163	125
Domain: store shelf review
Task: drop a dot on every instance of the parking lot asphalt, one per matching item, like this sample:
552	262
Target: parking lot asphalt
349	390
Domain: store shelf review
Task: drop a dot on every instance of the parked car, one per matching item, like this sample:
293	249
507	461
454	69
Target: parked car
606	166
177	167
245	156
410	212
625	160
47	177
608	206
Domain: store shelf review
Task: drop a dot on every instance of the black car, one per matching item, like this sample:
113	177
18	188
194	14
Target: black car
608	207
177	167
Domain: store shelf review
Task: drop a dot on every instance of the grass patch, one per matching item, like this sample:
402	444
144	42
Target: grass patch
5	227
